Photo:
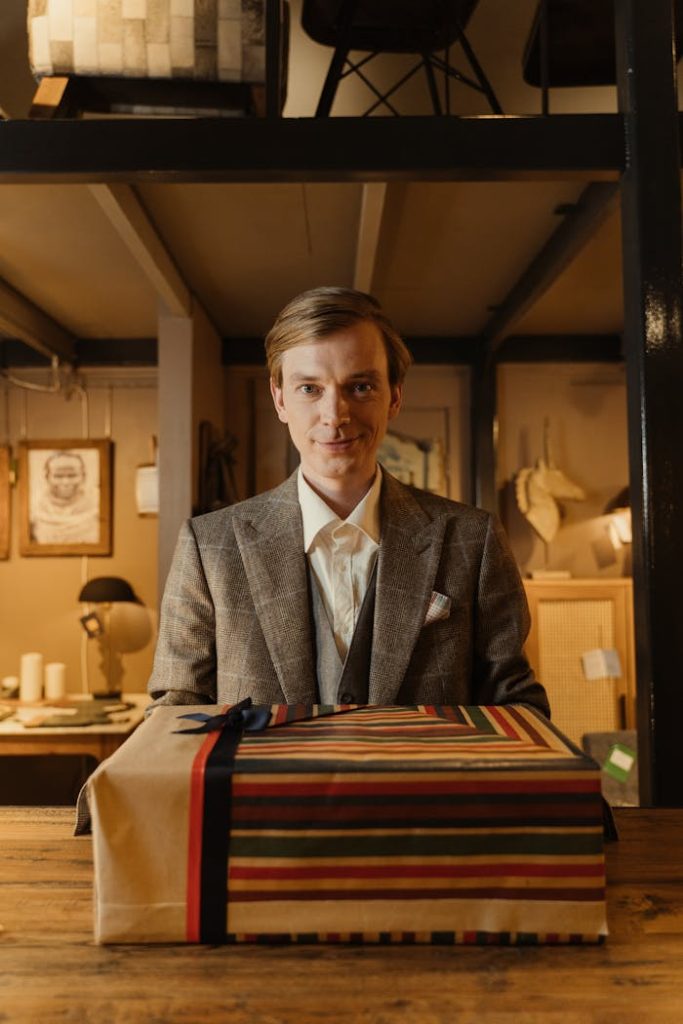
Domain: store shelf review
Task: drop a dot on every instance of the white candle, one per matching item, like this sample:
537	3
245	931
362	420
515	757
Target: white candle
11	685
31	684
55	680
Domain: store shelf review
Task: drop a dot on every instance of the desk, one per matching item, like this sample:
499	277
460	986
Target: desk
97	740
51	971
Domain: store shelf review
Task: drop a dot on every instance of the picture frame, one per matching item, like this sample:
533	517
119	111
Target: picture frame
5	501
65	497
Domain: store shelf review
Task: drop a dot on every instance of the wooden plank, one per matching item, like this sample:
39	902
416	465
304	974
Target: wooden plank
46	910
127	215
587	146
21	318
595	204
369	230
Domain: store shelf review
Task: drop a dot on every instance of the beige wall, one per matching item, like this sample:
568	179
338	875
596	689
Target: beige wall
586	407
38	596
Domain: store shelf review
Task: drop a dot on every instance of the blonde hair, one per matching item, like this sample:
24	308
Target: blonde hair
317	313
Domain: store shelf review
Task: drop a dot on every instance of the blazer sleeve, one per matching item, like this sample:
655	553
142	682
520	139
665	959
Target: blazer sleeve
502	674
184	670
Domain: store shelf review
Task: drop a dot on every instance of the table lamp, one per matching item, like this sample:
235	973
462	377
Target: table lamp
118	621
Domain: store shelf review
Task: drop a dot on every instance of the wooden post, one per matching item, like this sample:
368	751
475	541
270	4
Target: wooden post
190	390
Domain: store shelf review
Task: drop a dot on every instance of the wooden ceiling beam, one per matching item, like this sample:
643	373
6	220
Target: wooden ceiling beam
128	216
20	318
597	201
369	230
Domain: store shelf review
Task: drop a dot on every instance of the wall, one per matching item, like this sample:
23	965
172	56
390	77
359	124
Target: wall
38	595
586	407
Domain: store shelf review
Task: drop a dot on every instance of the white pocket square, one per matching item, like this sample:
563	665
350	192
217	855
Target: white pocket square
439	608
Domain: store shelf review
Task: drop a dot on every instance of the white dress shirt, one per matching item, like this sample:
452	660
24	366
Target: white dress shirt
342	554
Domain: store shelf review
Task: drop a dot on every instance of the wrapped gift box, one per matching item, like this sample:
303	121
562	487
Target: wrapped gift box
361	824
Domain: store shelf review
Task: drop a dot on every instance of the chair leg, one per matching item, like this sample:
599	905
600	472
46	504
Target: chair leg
334	72
431	83
332	80
486	86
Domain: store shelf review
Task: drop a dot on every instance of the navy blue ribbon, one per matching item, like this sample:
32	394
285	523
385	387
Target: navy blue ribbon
242	717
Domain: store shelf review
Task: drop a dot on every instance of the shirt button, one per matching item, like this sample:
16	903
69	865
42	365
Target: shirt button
347	698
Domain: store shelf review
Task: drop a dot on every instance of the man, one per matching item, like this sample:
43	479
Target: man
342	585
67	511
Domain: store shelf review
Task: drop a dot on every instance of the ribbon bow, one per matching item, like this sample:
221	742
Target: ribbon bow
242	717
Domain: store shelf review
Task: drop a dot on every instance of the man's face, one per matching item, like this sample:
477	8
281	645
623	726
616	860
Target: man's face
64	478
336	400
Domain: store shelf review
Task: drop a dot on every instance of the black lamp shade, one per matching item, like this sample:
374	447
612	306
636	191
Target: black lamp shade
107	589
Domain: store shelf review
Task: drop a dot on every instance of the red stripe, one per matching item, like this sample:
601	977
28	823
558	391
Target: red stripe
421	871
503	722
344	813
425	787
196	823
536	736
400	895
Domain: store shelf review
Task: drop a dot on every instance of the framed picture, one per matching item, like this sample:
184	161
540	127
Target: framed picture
65	490
4	501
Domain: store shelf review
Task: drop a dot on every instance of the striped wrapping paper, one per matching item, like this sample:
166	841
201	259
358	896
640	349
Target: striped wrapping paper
372	824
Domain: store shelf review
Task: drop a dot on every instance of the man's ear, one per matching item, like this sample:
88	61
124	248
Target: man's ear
396	399
276	392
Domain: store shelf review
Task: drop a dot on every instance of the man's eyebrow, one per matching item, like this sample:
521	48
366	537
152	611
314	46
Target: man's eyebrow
373	375
302	376
366	374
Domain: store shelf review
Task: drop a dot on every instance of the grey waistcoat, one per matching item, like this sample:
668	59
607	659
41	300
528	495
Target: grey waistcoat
343	682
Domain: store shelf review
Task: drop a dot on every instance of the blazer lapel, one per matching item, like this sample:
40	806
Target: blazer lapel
408	560
272	548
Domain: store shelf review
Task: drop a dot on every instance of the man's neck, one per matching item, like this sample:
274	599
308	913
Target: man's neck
341	496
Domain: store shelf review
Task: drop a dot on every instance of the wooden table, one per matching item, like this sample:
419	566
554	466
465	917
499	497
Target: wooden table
98	740
51	971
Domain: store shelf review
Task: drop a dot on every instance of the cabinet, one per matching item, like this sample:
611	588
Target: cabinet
568	618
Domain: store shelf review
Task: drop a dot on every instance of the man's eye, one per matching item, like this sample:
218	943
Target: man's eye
307	389
362	388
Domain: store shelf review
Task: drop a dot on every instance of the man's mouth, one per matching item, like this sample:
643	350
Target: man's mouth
339	444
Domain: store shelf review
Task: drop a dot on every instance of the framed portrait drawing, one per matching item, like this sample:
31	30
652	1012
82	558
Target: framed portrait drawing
4	501
65	491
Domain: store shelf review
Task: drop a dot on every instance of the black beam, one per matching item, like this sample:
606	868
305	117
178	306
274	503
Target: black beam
117	352
653	348
579	225
459	351
456	351
561	348
87	352
308	149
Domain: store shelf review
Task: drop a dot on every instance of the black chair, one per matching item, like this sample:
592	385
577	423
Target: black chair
571	43
427	28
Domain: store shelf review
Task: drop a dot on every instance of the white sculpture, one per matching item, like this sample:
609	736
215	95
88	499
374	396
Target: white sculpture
538	487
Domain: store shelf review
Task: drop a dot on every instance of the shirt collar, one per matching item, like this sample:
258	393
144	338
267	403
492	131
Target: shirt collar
316	514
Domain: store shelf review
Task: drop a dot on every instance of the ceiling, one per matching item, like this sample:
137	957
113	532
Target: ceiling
440	256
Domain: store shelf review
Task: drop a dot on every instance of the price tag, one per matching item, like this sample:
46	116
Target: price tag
619	762
600	663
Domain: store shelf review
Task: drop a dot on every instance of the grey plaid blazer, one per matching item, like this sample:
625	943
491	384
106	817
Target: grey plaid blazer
236	618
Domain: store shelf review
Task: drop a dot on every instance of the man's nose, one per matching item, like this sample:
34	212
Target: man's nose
335	408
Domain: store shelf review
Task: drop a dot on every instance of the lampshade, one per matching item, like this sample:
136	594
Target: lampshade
108	589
